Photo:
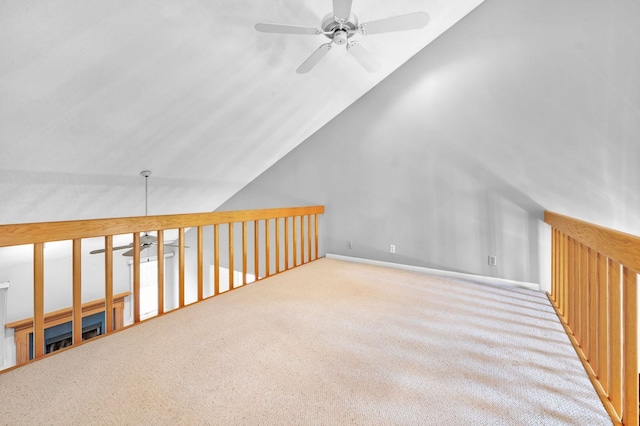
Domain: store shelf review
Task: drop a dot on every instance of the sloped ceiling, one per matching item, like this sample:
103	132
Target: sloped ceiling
92	92
539	101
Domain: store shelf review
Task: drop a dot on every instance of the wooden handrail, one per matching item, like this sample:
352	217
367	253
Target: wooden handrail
624	248
594	292
38	234
44	232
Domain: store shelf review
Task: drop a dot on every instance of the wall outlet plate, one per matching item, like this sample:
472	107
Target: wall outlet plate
392	248
349	244
492	260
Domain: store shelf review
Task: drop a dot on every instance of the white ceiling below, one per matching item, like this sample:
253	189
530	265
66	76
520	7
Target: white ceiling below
94	91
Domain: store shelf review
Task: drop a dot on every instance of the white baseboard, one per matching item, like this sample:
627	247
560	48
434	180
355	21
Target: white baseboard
471	277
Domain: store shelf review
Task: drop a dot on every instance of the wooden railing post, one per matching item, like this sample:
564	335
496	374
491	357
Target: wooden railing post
76	305
286	243
630	346
231	268
216	260
244	253
295	242
38	300
316	235
136	277
277	248
309	236
267	244
200	255
256	249
302	256
181	283
108	282
603	335
160	266
615	335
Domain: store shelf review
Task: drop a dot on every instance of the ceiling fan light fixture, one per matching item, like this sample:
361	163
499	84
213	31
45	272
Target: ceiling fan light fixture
340	37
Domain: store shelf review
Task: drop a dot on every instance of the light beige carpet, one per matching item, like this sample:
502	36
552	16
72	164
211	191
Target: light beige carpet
327	343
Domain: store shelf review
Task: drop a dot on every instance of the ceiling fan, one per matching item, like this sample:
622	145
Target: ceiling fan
146	240
341	25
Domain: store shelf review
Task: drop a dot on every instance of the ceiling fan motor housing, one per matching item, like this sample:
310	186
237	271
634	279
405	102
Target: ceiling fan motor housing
339	30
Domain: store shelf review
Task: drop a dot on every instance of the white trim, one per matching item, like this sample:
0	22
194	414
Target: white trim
476	278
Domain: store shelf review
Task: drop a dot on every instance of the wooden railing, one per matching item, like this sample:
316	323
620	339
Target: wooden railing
296	248
594	291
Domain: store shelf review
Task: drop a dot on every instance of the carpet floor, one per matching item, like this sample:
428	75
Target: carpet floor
328	343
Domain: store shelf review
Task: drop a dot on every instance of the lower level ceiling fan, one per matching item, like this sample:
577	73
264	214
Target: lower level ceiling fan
146	240
341	25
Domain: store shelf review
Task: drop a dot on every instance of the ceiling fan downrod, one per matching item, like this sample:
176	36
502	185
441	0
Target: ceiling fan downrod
145	174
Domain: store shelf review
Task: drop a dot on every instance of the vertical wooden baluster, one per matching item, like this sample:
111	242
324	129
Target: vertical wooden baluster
244	253
561	267
295	242
309	237
302	255
108	282
630	347
160	266
315	223
571	296
76	305
286	243
582	298
256	249
557	288
216	260
277	245
231	267
576	290
267	257
566	276
136	277
615	334
38	300
593	309
180	267
554	266
578	293
200	244
586	320
603	337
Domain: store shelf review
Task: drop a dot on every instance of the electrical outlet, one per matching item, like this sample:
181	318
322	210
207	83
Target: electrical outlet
492	261
350	244
392	248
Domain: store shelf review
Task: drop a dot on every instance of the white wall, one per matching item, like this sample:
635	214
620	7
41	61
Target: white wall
456	155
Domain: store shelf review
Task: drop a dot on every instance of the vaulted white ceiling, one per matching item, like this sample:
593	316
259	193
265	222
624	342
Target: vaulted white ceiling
93	91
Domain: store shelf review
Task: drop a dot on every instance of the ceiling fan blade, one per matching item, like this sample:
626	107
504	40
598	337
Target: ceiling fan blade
314	58
286	29
129	253
410	21
174	245
363	56
114	249
342	8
